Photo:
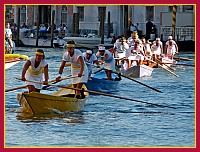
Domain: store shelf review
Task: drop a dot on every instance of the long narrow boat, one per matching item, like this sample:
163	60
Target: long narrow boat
99	82
138	71
11	62
62	100
12	59
167	61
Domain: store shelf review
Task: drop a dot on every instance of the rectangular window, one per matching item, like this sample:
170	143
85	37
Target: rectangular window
9	14
99	13
188	8
170	8
64	15
150	13
23	14
81	13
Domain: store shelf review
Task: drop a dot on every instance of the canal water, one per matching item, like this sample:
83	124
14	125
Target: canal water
107	121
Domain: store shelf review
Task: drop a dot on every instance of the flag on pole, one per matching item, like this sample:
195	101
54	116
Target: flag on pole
173	20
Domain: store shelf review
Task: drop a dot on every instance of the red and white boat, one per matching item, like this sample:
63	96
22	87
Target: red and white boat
12	59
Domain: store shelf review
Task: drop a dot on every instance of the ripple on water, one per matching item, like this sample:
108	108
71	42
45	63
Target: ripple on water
107	121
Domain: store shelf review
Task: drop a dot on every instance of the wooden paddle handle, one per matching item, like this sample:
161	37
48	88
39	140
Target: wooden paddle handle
12	89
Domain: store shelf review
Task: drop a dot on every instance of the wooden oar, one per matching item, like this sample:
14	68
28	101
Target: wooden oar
119	58
98	71
186	64
181	58
12	89
54	81
158	61
137	81
164	68
104	94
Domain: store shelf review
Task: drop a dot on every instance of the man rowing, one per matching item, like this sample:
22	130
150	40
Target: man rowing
107	60
156	49
136	54
90	59
171	48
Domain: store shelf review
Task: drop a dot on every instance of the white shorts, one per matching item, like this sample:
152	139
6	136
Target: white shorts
83	79
110	65
37	78
156	52
171	52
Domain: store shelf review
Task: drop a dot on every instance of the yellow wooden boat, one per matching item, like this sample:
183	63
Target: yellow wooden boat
61	101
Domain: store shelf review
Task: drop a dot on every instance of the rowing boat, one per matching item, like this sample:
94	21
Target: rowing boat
165	61
99	82
61	101
11	62
12	59
138	71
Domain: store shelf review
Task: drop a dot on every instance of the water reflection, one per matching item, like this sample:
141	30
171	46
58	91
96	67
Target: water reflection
64	117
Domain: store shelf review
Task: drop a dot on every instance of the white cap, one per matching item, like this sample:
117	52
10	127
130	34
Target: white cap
89	51
102	48
169	37
158	39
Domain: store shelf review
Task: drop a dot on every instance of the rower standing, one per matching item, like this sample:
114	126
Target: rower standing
136	54
134	37
33	70
90	59
156	49
171	48
146	48
120	48
78	67
107	59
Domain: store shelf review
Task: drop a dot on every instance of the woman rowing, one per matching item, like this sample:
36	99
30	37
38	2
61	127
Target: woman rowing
33	70
78	67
